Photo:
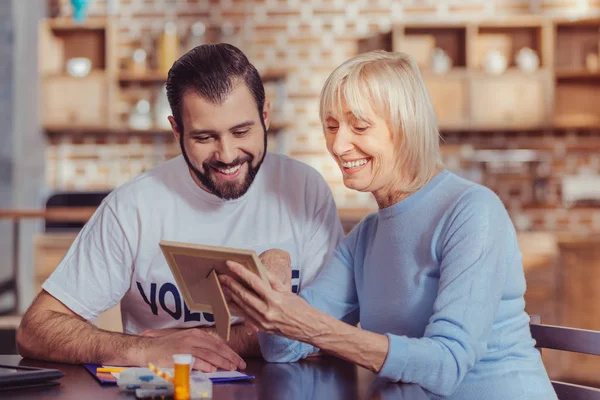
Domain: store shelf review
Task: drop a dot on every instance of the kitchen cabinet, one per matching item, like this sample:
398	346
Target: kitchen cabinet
75	102
561	93
511	100
78	66
450	98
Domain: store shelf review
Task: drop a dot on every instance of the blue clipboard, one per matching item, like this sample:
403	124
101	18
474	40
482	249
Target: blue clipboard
105	378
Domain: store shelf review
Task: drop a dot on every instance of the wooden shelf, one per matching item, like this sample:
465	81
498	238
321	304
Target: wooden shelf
67	23
309	153
274	74
577	22
55	214
556	126
456	72
149	77
513	21
269	75
512	72
277	126
56	130
571	125
560	207
576	74
461	72
93	74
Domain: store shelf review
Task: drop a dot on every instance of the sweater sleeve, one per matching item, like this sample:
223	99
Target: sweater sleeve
332	292
475	244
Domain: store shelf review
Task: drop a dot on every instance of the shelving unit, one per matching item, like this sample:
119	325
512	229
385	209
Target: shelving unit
70	100
99	103
452	38
104	130
562	93
149	77
577	72
157	77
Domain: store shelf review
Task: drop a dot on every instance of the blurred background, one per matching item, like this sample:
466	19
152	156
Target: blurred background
515	84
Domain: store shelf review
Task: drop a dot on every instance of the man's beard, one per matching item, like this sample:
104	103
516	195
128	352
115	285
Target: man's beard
224	189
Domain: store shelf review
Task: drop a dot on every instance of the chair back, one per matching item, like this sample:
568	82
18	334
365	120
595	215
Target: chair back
567	339
71	199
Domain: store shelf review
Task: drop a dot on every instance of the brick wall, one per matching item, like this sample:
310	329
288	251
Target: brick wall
309	39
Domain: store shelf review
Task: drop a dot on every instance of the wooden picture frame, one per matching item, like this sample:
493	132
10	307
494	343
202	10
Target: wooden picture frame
196	267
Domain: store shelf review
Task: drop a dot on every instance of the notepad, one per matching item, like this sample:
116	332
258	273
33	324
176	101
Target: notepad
215	377
227	376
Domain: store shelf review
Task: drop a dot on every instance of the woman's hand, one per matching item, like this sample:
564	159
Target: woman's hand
275	309
272	309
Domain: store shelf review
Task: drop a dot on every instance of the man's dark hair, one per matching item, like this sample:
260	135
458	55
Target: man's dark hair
212	71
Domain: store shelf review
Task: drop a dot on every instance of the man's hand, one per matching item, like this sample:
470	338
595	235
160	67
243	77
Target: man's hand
243	339
278	263
209	352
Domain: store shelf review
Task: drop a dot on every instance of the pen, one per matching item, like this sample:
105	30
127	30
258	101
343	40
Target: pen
109	369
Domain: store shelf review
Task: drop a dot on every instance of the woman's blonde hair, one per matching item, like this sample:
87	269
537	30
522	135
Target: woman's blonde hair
392	86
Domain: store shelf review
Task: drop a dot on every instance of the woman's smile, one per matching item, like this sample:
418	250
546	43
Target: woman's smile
353	166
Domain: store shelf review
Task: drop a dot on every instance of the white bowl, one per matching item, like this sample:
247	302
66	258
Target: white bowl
79	66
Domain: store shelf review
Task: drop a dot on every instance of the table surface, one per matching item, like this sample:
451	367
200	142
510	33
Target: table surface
317	378
83	214
55	214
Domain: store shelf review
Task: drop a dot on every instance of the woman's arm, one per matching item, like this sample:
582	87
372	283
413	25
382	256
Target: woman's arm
276	311
333	292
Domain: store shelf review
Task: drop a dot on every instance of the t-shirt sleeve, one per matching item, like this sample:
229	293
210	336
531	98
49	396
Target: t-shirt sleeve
96	271
322	229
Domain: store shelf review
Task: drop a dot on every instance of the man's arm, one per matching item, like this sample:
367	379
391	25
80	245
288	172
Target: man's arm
242	339
51	331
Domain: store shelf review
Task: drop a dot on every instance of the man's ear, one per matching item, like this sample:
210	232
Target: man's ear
267	113
174	128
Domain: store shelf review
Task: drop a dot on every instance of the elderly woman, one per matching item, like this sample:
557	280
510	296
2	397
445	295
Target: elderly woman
434	277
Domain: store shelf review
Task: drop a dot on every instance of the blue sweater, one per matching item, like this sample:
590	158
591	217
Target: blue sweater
440	274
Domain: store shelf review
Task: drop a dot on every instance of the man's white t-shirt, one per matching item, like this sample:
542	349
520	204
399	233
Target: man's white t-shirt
116	256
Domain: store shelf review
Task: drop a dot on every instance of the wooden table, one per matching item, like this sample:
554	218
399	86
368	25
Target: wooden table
318	378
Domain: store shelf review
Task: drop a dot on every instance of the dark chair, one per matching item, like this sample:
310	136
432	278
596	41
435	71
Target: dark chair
72	199
567	339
